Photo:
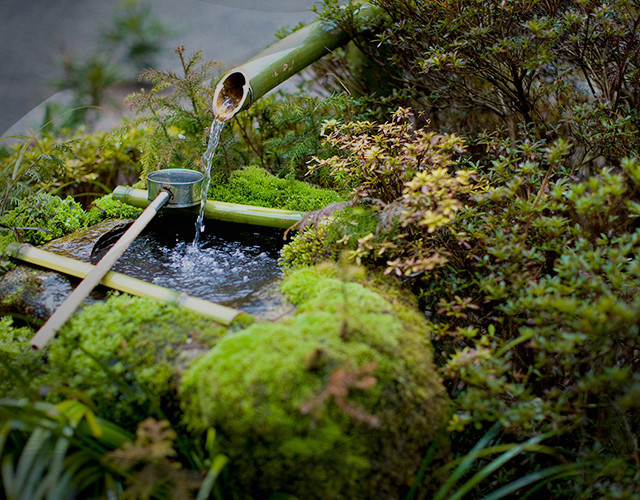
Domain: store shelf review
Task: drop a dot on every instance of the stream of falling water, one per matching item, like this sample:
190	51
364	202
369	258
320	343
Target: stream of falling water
223	114
207	159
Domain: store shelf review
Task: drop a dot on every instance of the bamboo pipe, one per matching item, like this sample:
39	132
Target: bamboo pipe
243	85
230	212
121	282
73	301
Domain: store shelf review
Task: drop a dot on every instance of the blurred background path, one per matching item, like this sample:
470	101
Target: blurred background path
35	33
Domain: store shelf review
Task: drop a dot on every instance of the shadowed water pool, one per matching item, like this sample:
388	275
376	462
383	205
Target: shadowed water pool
234	265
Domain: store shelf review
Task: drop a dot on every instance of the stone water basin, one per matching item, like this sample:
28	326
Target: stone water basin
235	265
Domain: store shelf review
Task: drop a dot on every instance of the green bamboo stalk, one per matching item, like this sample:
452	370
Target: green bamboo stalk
243	85
218	210
117	281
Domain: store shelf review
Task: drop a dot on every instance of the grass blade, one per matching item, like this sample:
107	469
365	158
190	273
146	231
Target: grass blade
496	464
219	462
466	463
55	472
562	469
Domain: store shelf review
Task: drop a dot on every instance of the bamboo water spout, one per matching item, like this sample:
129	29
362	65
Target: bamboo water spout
243	85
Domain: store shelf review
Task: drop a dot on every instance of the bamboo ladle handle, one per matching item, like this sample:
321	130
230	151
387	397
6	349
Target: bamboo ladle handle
73	301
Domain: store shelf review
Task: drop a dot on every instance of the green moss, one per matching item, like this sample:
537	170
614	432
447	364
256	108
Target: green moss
44	217
123	354
51	215
19	364
108	208
266	391
255	186
327	241
308	247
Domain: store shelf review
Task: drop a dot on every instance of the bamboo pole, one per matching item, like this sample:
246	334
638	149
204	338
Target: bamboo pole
218	210
121	282
73	301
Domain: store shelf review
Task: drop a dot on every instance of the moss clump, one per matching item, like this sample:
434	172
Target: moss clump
19	364
255	186
51	215
338	402
122	354
344	232
108	208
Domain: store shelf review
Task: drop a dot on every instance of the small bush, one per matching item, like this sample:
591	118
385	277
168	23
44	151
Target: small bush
528	276
546	69
85	166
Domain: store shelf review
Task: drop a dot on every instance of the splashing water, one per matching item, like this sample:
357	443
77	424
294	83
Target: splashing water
232	265
225	114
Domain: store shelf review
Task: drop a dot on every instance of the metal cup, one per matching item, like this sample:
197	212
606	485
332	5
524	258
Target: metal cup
183	184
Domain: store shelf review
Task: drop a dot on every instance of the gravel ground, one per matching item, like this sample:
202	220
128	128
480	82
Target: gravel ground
34	34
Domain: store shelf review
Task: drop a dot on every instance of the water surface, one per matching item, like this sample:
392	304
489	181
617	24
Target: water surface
232	264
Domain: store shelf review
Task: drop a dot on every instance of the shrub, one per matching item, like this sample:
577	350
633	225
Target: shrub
375	160
528	276
537	309
136	34
566	68
411	187
288	134
85	166
178	110
338	401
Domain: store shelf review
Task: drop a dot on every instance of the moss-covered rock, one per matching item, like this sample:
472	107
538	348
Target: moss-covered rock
330	237
339	401
33	293
109	208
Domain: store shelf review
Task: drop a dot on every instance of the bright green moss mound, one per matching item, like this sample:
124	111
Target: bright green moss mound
267	392
123	354
255	186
